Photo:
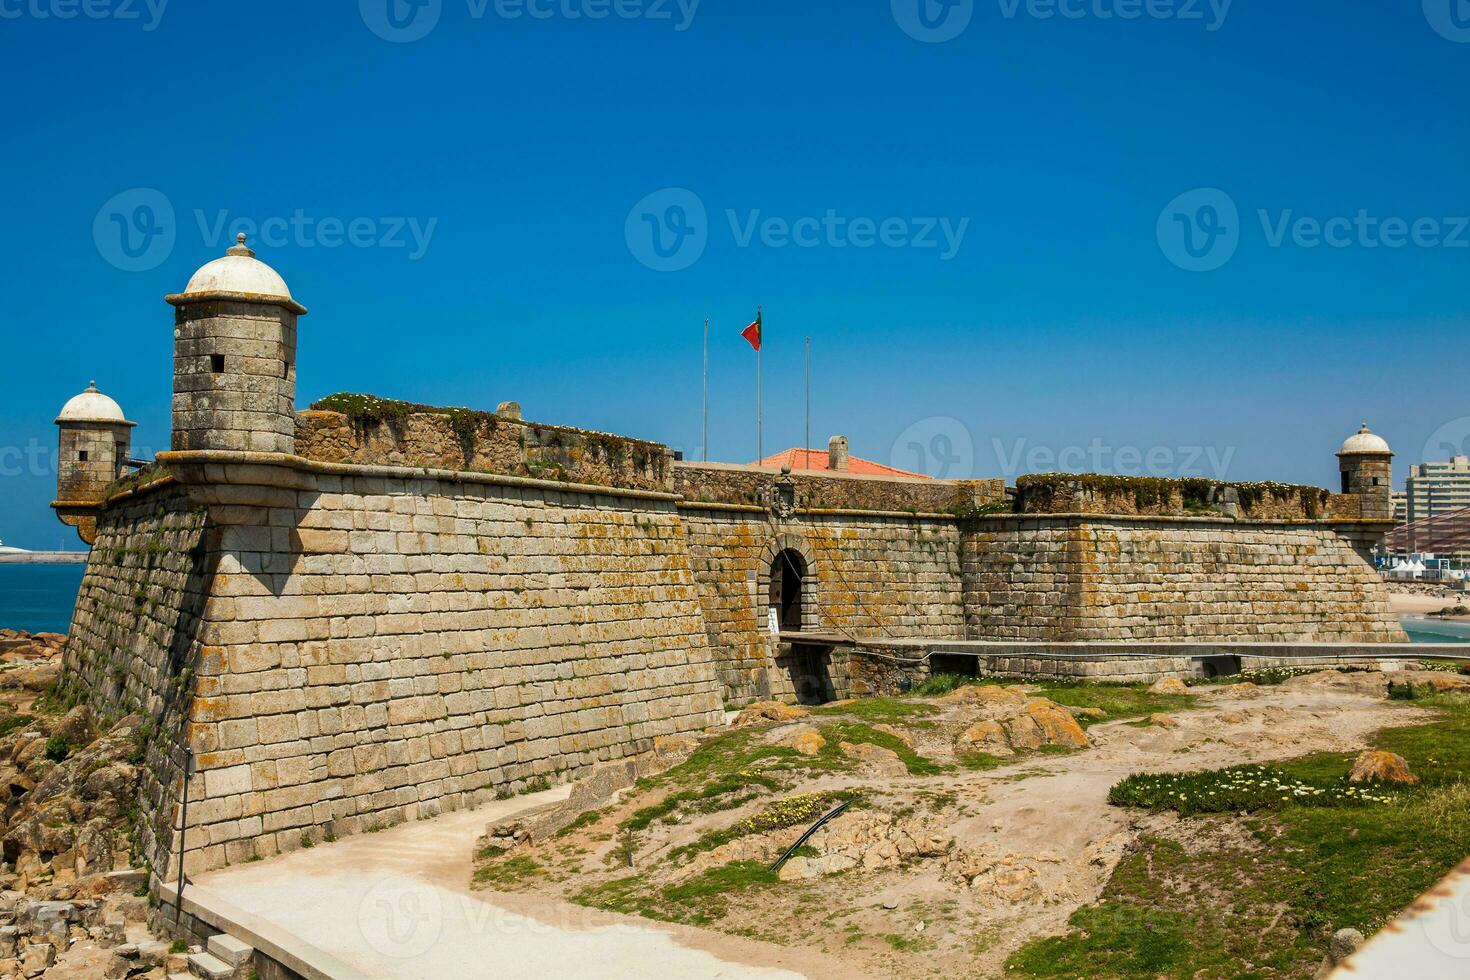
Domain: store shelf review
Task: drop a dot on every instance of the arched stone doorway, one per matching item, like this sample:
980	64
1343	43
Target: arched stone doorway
788	586
787	574
787	582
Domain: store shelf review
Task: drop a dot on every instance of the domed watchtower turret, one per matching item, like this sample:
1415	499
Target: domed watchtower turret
235	357
95	441
1366	464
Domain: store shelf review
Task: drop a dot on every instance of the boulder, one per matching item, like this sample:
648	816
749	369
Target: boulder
674	746
1009	882
1449	682
1044	722
1232	718
875	759
1344	943
1162	721
1245	689
36	958
985	736
762	711
36	677
993	701
76	727
1169	685
803	738
1381	767
1087	712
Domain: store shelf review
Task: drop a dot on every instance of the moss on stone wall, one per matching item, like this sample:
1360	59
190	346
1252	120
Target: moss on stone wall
366	429
1097	493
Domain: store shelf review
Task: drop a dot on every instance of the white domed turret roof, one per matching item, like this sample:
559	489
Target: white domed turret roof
238	271
91	406
1364	442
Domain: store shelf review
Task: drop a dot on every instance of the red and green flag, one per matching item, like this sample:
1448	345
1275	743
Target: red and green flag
752	333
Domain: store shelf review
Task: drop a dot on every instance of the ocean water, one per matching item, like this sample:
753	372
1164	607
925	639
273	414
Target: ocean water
38	598
1424	630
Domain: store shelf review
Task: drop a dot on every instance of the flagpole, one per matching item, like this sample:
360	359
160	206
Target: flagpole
760	449
704	439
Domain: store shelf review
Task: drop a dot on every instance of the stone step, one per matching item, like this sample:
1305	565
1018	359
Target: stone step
233	951
210	967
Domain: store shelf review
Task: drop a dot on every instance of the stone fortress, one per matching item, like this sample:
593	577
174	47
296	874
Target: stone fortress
370	611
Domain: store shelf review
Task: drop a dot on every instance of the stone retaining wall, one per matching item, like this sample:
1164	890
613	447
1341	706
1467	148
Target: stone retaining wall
897	576
373	650
134	643
894	672
1066	579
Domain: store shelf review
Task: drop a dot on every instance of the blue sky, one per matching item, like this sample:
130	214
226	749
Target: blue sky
1059	326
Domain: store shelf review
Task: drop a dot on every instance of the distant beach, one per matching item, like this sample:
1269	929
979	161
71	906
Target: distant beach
38	598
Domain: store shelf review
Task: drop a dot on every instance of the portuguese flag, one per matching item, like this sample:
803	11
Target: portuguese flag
752	333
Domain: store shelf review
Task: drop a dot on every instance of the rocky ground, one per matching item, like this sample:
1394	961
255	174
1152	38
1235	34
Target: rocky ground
980	819
71	904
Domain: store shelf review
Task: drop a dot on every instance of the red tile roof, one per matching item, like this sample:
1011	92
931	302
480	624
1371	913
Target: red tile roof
813	459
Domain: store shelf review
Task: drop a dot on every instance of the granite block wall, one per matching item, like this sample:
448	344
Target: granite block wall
378	649
1080	579
134	641
389	647
890	576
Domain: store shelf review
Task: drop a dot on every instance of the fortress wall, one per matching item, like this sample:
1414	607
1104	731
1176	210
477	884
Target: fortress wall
133	645
897	576
461	439
829	490
384	647
1075	579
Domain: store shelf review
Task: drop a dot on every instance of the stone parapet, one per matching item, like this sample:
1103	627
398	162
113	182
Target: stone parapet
377	432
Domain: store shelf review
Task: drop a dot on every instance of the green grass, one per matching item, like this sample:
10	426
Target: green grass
732	753
791	812
726	793
892	711
585	819
979	761
1240	789
1122	940
10	723
846	731
509	871
939	685
1265	907
698	901
1120	701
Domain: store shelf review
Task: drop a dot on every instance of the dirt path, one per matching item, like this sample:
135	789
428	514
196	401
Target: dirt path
396	905
1033	841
